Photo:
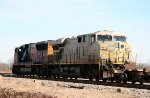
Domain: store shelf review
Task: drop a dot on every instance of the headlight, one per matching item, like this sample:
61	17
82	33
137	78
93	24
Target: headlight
128	49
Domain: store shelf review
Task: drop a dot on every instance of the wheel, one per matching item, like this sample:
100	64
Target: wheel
90	78
125	78
65	77
58	76
104	80
76	78
133	82
124	81
111	79
97	78
119	81
141	82
54	76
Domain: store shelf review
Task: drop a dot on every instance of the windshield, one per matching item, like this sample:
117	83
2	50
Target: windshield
120	38
104	37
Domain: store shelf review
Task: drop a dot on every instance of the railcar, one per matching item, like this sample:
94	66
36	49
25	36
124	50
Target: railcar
100	55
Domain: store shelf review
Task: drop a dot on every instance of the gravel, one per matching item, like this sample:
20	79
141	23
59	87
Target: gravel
61	89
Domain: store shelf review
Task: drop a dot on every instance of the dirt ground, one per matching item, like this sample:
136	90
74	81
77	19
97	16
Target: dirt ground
57	89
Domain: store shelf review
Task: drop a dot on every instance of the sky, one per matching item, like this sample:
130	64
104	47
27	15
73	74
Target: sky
29	21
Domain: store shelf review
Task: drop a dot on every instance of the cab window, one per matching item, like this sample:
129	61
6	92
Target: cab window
92	38
79	39
104	38
120	38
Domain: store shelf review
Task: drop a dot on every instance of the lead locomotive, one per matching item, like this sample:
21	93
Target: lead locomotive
99	55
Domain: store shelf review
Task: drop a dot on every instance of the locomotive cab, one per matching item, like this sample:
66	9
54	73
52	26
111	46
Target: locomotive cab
115	52
22	54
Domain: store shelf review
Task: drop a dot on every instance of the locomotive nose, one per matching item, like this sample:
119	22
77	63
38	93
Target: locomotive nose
122	52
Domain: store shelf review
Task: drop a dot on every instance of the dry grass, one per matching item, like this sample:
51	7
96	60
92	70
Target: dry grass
5	67
10	93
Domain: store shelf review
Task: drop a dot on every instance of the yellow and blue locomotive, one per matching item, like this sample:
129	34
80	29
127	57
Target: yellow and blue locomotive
97	55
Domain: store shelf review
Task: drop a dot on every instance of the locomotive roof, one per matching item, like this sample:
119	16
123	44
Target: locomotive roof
105	32
61	40
53	42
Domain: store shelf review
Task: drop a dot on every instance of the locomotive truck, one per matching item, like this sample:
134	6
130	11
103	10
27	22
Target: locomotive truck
100	55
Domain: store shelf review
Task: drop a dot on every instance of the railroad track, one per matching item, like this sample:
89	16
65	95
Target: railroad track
84	81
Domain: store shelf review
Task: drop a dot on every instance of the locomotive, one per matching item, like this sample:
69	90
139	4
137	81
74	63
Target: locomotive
101	55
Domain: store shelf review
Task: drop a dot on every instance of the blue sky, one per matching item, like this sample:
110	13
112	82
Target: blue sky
25	21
